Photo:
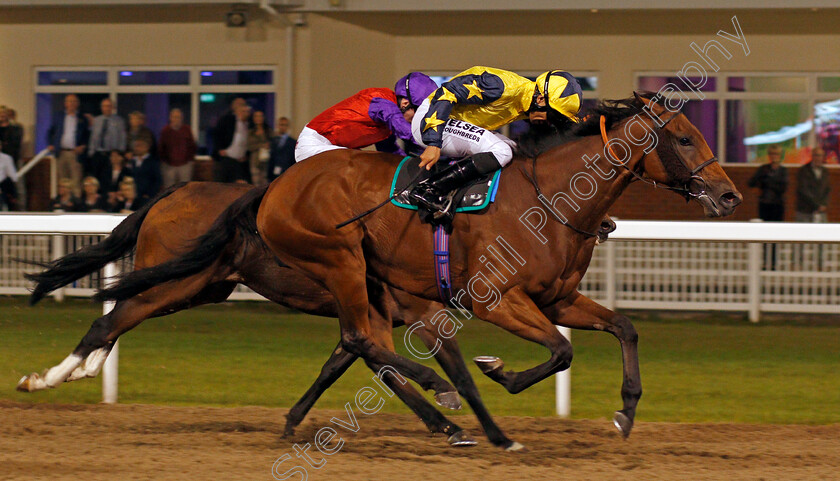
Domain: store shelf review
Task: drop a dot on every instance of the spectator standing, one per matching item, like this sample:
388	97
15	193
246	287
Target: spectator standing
177	150
65	201
137	130
11	134
259	137
92	200
68	137
812	189
8	177
233	152
146	170
107	133
282	151
223	131
772	179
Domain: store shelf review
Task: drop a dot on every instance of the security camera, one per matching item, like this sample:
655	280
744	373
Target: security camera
236	19
299	20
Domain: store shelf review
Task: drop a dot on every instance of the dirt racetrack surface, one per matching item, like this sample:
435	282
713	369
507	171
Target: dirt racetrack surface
126	442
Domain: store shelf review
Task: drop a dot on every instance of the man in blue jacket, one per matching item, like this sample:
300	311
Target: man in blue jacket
282	150
67	138
146	169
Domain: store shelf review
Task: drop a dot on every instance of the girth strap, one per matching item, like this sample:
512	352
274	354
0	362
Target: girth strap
442	274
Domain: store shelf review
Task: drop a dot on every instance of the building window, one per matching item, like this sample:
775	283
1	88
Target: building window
742	114
236	77
202	93
73	78
165	77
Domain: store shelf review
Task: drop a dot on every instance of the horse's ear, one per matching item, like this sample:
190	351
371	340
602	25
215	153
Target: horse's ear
641	99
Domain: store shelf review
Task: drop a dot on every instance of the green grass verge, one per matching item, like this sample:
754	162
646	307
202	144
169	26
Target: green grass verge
709	370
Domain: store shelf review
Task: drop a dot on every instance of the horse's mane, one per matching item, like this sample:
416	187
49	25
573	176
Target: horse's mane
536	141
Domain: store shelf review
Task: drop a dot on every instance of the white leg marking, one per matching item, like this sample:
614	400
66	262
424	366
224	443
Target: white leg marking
91	365
56	375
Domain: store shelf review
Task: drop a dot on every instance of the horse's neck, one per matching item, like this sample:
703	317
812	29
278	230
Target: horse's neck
558	168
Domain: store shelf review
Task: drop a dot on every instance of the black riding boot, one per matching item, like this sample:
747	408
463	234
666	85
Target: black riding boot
435	194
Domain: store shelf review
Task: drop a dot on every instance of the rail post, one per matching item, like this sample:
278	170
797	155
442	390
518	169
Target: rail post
563	388
611	276
57	253
754	259
110	370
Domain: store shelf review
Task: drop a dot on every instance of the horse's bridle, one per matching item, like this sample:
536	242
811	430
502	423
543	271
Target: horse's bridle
694	174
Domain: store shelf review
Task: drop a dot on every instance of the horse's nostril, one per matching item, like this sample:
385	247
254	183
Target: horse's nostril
730	199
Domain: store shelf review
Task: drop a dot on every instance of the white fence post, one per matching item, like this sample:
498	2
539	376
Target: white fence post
563	397
110	371
58	252
754	260
611	276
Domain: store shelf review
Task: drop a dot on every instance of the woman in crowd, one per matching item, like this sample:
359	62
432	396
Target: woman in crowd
65	201
92	200
259	137
126	198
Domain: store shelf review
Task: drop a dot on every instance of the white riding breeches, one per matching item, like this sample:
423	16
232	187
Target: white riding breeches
311	143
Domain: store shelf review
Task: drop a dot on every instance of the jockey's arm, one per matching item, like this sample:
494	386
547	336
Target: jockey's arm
387	112
470	89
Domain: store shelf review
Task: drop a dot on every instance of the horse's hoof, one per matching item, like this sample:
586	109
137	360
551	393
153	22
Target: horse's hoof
23	384
514	446
623	423
449	400
31	383
461	438
489	364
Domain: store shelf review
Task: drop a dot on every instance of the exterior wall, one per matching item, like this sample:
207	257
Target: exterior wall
616	54
338	54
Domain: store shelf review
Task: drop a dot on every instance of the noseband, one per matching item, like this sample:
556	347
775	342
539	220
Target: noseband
694	174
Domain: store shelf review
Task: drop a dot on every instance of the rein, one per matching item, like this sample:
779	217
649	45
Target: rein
382	204
533	179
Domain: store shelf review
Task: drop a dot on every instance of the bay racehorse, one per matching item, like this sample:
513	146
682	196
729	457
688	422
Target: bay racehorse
547	211
167	227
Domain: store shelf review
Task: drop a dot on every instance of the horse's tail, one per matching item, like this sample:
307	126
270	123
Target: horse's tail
241	216
92	258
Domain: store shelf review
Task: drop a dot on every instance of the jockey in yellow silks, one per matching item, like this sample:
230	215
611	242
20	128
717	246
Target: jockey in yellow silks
458	120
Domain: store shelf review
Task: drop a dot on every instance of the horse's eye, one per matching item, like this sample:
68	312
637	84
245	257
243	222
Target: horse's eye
685	141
